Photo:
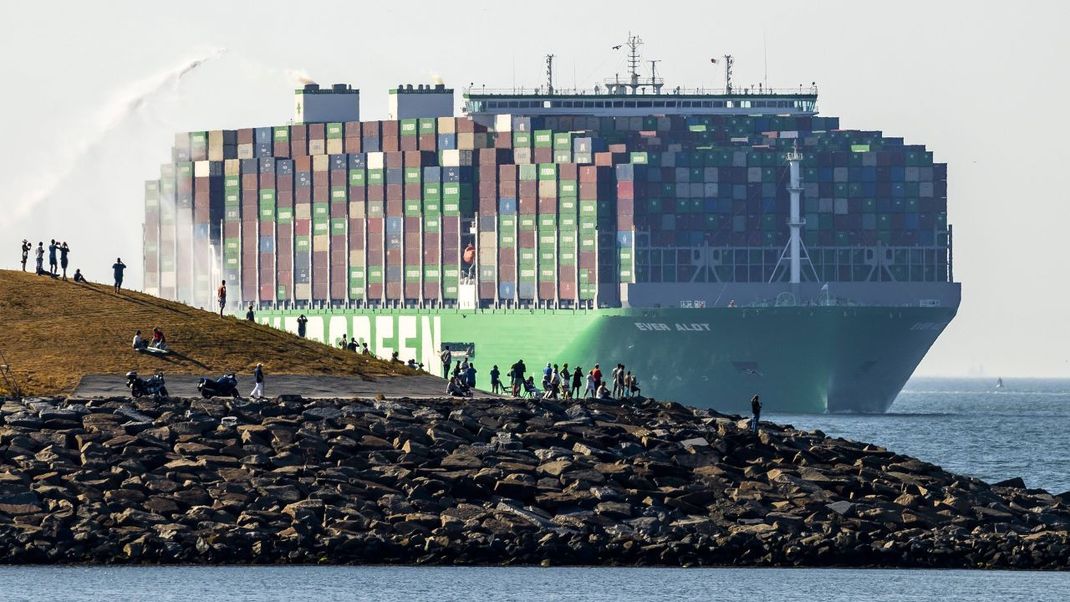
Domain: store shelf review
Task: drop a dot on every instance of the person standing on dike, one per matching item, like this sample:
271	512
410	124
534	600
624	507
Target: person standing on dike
222	295
756	409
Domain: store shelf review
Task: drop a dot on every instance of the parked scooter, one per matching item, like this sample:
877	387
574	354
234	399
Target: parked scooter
140	387
224	386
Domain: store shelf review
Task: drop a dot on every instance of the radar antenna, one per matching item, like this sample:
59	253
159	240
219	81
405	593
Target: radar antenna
550	74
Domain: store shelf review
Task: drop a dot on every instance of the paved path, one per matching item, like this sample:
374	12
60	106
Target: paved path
183	385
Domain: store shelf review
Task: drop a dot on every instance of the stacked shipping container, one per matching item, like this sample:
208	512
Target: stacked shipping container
560	210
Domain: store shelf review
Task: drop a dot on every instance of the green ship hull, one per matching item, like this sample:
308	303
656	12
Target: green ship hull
799	359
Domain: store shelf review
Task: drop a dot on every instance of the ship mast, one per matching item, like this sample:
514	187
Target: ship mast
633	43
549	74
795	222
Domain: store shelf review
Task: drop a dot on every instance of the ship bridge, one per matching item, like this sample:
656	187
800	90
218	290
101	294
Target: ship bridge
613	103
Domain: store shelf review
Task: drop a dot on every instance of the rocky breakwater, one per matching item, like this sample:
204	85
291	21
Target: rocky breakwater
487	482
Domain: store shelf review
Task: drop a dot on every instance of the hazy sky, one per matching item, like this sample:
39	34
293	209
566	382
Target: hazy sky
93	99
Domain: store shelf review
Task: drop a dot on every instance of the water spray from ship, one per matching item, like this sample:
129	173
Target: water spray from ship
111	116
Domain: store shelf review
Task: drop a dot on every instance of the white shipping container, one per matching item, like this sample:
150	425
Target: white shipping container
376	160
503	123
201	169
450	158
245	151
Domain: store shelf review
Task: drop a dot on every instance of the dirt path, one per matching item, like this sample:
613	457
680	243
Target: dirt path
181	385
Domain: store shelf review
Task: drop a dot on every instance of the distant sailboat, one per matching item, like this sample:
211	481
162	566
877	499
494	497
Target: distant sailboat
999	383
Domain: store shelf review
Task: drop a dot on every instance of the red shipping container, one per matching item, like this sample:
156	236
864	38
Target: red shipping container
588	173
390	128
413	192
351	144
625	190
394	192
231	229
321	194
548	205
567	290
526	239
408	143
546	290
503	140
543	155
281	149
486	290
267	228
298	148
390	144
588	259
528	189
375	291
303	227
303	163
356	233
245	136
427	142
249	181
316	131
431	290
567	171
527	206
393	159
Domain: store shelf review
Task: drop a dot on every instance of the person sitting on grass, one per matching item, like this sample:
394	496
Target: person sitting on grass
159	341
139	343
78	277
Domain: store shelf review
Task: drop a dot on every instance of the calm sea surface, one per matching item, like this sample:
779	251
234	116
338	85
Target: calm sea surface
405	584
965	426
970	427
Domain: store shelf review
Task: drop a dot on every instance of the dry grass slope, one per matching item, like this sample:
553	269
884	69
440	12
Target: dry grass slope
53	332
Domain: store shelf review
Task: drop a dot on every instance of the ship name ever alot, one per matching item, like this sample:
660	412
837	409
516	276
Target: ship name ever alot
679	327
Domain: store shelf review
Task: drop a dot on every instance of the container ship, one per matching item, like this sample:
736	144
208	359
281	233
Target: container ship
718	243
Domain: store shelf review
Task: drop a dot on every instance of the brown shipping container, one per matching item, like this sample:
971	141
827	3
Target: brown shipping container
412	287
339	283
393	291
390	144
267	228
408	143
546	290
245	136
427	142
566	171
352	144
430	290
526	239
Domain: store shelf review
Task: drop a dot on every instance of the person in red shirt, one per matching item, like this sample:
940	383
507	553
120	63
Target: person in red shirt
597	373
